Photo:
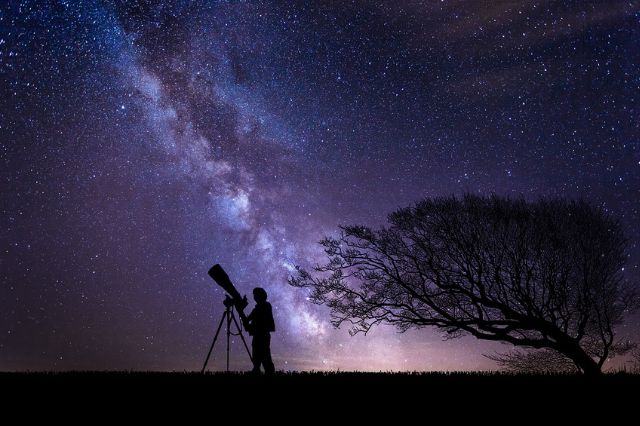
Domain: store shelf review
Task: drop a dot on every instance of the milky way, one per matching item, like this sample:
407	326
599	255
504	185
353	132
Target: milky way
142	142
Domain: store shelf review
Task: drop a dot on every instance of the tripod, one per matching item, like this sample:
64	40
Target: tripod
227	316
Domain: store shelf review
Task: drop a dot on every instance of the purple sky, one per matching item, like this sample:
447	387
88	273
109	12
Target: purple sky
140	144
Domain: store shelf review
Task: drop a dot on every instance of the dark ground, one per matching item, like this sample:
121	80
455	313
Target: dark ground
320	394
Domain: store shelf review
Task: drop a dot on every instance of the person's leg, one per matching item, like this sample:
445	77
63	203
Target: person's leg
256	354
266	359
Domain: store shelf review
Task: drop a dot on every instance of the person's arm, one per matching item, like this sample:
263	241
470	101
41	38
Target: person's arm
272	324
247	321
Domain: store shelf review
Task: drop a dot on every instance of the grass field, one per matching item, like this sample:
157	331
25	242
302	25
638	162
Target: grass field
292	383
323	397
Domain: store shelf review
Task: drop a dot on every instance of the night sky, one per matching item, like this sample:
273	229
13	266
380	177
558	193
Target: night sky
140	143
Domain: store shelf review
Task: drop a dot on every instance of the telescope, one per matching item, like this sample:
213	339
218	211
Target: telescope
220	276
232	299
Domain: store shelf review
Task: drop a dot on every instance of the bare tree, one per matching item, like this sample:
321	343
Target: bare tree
635	359
539	275
534	361
549	360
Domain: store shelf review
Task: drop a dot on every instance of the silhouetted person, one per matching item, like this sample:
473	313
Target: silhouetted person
261	325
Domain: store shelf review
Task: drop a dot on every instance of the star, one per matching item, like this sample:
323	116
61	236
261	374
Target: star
141	145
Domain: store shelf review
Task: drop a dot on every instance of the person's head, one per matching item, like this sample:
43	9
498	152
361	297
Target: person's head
259	295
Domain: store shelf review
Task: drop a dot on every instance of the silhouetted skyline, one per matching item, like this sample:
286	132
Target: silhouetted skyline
142	144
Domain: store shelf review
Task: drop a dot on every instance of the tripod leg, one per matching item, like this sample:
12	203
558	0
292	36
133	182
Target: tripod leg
214	341
241	336
229	313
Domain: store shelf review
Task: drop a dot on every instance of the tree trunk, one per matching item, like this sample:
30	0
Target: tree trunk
584	362
590	368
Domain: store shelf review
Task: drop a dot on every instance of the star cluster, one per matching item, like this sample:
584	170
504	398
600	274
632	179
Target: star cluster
143	141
